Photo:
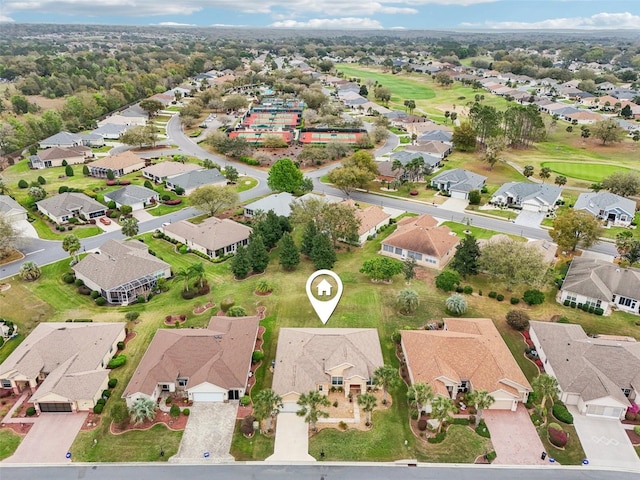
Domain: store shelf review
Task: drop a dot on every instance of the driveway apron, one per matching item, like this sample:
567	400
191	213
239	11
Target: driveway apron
292	439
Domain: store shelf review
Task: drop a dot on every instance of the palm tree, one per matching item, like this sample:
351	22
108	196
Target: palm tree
184	274
29	271
266	405
310	404
197	271
545	386
528	171
419	395
397	165
130	227
481	400
71	245
386	377
367	402
456	304
143	409
407	301
441	409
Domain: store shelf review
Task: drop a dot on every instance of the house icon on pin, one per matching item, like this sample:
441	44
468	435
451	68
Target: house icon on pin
324	288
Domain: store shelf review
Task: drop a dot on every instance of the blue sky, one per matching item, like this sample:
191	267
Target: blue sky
336	14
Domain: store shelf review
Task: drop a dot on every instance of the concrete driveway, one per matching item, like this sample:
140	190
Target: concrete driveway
25	229
456	204
514	437
292	439
529	219
209	429
604	441
49	439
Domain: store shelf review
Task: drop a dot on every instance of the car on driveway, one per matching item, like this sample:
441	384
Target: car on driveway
105	221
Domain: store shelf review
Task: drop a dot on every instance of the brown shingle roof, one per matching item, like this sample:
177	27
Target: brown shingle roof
219	354
421	235
55	153
118	161
370	216
469	349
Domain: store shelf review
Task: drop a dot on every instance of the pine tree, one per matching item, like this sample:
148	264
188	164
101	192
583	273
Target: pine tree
465	260
322	252
289	255
310	232
258	255
240	264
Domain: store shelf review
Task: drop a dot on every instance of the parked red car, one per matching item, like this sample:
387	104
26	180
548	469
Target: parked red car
105	221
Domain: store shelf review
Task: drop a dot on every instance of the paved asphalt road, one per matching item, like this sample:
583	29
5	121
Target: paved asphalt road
43	252
305	472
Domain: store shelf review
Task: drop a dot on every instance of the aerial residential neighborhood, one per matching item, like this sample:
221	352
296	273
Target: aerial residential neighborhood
175	226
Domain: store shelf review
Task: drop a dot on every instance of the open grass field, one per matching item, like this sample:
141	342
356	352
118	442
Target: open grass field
592	172
364	304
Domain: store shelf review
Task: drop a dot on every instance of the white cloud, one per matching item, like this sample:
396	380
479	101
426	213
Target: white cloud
330	23
4	19
603	20
175	24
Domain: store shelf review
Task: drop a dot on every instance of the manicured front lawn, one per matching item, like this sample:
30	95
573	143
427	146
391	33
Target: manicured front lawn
593	172
245	449
480	233
572	454
9	442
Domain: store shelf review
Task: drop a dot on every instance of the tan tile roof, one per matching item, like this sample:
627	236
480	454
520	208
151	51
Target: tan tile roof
212	234
219	354
119	262
370	216
169	169
305	355
55	153
469	349
419	234
68	353
118	161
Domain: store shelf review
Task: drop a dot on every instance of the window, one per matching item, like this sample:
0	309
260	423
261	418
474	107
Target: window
370	381
7	383
398	251
337	380
417	256
626	391
182	382
387	248
571	297
319	388
593	303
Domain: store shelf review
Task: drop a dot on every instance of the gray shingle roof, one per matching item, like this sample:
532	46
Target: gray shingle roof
526	191
594	202
65	203
278	202
198	178
405	156
7	204
460	180
592	367
436	135
601	280
130	195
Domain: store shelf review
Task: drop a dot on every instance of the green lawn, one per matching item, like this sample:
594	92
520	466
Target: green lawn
9	442
256	448
480	233
572	454
592	172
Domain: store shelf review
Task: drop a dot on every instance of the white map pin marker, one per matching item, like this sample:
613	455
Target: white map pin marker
324	308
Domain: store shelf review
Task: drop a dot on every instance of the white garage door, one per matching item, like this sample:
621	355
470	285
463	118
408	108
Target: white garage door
603	411
460	195
290	407
208	397
504	404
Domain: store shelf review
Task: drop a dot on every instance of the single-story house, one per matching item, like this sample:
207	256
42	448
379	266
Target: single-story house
66	139
442	136
607	206
599	375
135	196
121	271
56	156
111	131
189	181
60	208
213	237
535	197
159	172
601	284
468	354
438	149
64	365
204	364
405	156
458	182
12	210
309	359
278	202
422	239
372	218
120	164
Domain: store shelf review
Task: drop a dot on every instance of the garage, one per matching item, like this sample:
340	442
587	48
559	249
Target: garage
604	411
459	195
53	407
208	397
503	404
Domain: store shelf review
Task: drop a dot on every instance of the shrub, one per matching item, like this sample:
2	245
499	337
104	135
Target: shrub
41	180
246	426
636	429
95	294
165	197
23	184
482	430
573	304
84	290
186	412
175	201
120	345
63	189
68	278
140	299
566	303
422	424
101	301
415	414
236	311
117	361
257	356
447	280
561	413
563	320
183	249
439	438
499	297
131	316
106	394
174	411
492	294
31	411
533	297
113	382
598	311
68	171
468	290
245	400
557	436
179	190
148	184
78	282
98	409
226	304
459	289
188	294
413	193
343	425
518	320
